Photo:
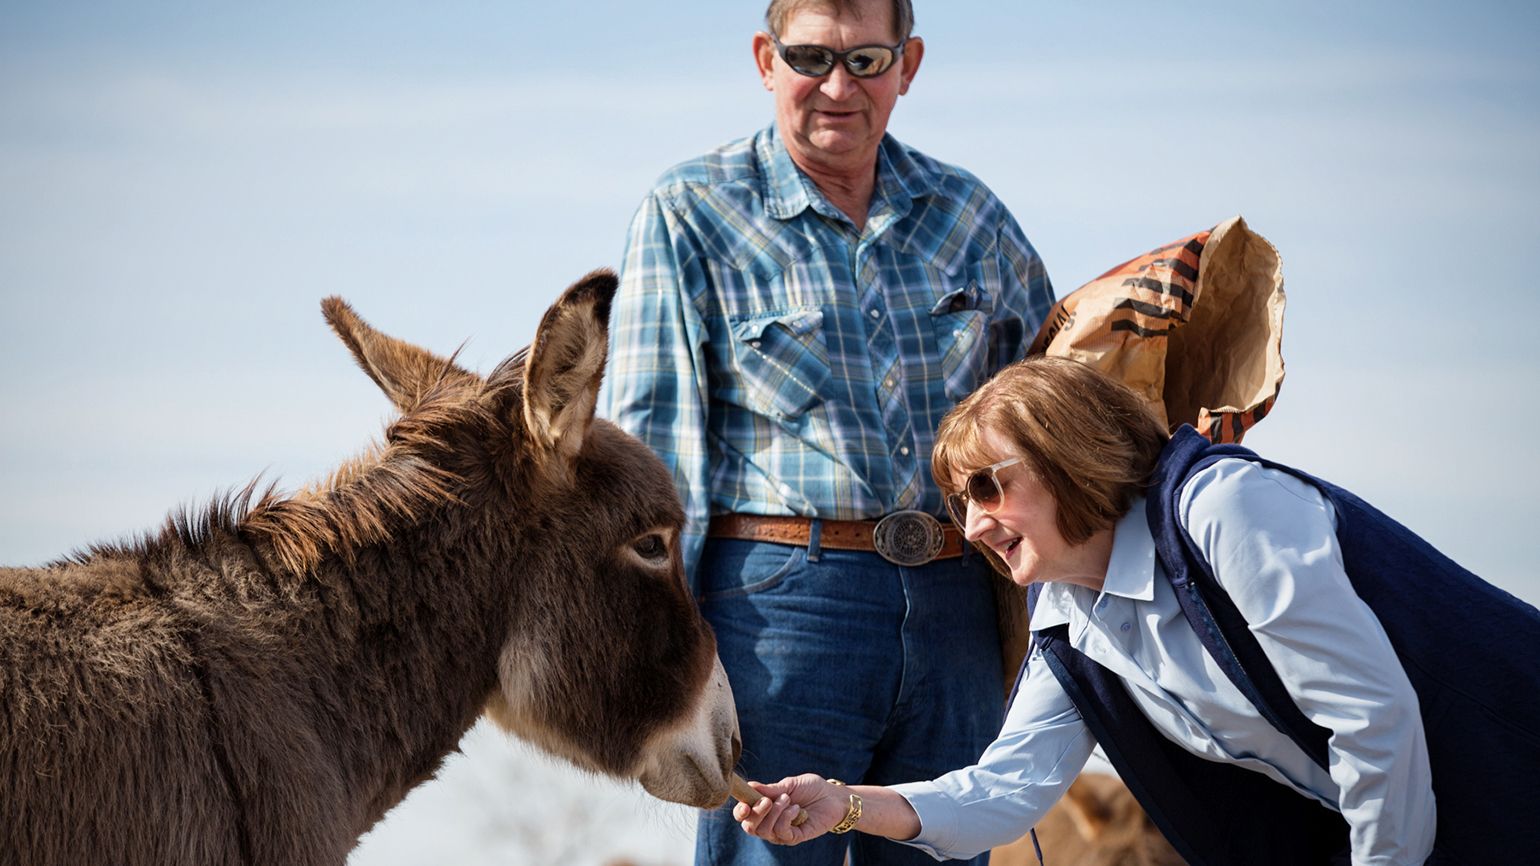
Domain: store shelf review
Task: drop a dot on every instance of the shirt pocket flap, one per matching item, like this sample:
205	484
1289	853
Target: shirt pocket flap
783	360
968	298
961	319
799	323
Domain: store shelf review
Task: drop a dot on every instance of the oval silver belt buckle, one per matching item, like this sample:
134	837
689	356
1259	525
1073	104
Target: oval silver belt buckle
908	538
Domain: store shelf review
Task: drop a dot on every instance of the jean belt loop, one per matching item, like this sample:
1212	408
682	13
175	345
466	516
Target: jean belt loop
814	539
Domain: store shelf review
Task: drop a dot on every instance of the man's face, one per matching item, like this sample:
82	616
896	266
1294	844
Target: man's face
834	123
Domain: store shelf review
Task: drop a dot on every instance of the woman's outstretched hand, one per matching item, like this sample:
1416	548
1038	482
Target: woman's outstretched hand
771	818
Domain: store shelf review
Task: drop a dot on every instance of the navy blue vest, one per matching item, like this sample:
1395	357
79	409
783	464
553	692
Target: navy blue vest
1471	651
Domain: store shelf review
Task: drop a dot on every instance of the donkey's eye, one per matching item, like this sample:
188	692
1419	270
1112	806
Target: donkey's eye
651	547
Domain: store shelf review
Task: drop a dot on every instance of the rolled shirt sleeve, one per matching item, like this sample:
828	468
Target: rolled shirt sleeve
1041	749
1271	539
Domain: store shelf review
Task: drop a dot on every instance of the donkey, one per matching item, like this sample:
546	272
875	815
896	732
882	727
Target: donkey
259	681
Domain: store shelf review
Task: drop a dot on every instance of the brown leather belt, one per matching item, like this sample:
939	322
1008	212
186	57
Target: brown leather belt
907	538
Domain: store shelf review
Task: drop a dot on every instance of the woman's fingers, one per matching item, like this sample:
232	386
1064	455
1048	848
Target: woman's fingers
780	814
753	817
750	793
786	830
769	819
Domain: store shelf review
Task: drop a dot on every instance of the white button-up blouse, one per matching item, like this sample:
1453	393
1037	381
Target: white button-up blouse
1271	540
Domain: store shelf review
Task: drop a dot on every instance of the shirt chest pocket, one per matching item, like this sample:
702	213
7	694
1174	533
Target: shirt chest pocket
782	360
961	322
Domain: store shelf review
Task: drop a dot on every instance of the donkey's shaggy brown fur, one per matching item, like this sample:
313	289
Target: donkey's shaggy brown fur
261	680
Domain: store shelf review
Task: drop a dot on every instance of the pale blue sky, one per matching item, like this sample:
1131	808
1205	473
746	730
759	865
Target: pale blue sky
180	183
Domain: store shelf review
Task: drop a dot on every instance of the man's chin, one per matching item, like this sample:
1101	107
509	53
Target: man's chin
838	141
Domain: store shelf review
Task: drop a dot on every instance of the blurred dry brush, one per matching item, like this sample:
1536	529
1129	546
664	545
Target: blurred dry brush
1096	823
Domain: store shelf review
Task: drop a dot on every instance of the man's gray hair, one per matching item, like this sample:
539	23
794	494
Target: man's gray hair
780	10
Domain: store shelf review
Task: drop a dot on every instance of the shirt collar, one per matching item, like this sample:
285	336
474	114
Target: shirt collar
1130	572
1131	568
787	190
900	179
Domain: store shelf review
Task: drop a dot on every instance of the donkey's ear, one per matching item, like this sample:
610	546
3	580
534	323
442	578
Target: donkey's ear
403	371
566	364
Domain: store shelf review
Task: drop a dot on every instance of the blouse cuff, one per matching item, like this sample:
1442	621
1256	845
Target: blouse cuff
937	811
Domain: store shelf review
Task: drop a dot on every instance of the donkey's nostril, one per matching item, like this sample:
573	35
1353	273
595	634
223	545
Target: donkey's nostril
730	761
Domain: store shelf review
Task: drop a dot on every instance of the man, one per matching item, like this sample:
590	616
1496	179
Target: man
797	311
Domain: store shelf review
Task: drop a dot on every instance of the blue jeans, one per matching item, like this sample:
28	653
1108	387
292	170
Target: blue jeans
848	666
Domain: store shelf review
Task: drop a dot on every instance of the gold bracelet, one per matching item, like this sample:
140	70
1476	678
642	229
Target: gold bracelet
852	814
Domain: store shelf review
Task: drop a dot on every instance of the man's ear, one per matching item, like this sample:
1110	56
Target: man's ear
909	64
764	59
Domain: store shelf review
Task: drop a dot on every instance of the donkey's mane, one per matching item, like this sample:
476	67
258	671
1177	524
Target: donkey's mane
361	502
367	497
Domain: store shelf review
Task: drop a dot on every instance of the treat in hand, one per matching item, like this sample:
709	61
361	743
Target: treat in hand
741	792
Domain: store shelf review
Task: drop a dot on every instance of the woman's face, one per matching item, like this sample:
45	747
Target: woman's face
1023	531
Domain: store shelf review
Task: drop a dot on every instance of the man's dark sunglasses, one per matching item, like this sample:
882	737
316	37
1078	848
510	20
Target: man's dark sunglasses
816	61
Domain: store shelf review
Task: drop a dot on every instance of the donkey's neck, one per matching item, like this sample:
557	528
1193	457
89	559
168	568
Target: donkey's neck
419	628
411	602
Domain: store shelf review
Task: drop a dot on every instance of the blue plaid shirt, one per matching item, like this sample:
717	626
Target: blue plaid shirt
748	327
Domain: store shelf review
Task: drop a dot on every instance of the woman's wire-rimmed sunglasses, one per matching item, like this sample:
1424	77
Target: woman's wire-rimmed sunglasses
816	61
982	489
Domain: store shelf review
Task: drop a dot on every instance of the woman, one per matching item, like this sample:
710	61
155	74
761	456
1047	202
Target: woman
1279	672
